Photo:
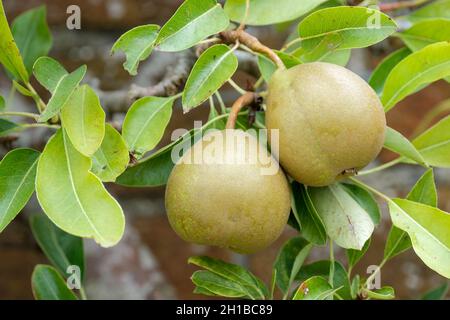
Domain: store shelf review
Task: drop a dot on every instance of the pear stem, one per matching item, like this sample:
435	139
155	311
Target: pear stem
246	99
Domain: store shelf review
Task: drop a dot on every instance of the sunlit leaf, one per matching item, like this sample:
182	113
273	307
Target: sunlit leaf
84	120
426	32
10	56
358	27
137	44
145	123
264	12
428	229
397	143
434	144
381	72
62	92
73	197
434	10
214	67
424	191
112	158
192	22
416	70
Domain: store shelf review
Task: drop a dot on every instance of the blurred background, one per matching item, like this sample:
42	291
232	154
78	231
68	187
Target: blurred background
151	261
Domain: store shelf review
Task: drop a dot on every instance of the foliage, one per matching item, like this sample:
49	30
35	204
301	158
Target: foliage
68	175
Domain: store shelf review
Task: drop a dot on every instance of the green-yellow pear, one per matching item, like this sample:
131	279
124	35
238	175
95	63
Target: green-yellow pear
227	190
331	122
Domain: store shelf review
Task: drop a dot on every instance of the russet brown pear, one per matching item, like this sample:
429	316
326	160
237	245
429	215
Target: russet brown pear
331	122
230	198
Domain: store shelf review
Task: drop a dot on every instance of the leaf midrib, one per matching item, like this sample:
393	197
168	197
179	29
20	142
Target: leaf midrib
209	75
431	235
187	25
395	96
75	192
141	130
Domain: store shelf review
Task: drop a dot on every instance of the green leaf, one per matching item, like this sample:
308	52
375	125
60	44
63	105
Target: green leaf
434	144
47	284
49	72
264	12
385	293
434	10
137	44
315	288
145	123
309	220
7	127
397	143
322	268
242	279
355	26
154	170
2	103
428	229
213	284
192	22
354	256
33	37
112	158
73	197
62	249
267	67
63	90
365	200
382	71
438	293
416	70
397	242
327	50
426	32
10	56
214	67
289	261
84	120
17	173
346	221
424	191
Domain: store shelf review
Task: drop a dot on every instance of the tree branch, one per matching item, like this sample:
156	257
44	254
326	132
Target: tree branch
387	7
231	36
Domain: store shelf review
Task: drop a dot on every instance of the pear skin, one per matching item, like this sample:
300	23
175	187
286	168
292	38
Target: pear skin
331	122
225	200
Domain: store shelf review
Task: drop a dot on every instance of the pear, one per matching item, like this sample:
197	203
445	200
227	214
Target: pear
331	122
227	190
